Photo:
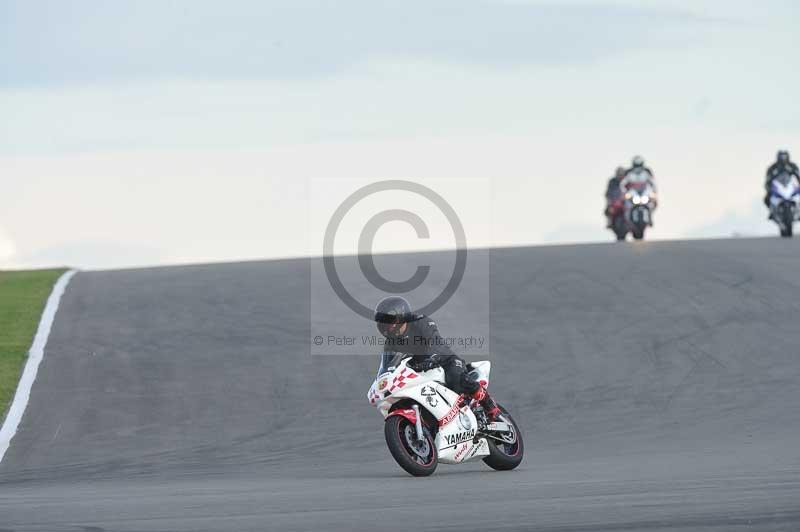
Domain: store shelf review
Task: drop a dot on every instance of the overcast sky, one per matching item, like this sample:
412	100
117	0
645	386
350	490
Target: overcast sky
151	132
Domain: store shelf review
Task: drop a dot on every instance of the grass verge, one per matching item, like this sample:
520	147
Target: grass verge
22	299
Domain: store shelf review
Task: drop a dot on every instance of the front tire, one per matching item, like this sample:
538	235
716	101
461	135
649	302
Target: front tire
620	227
417	458
788	221
638	233
505	456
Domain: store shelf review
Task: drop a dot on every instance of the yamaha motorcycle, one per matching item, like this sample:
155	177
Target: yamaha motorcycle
426	423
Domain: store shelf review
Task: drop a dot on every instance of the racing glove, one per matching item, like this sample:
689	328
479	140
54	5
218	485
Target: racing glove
427	364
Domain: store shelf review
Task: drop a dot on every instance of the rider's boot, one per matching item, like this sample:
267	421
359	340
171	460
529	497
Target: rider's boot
489	405
491	408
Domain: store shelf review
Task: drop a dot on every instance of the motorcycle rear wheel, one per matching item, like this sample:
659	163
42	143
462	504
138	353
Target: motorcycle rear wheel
504	456
417	458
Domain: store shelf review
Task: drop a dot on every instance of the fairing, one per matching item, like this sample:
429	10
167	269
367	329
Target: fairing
457	425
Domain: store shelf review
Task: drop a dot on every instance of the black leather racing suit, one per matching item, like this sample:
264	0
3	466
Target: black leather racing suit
423	342
776	170
612	193
612	189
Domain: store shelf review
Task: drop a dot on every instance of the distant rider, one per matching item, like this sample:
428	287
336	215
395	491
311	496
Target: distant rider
638	175
782	165
418	336
613	194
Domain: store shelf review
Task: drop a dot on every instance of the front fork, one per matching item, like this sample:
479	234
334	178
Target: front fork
418	424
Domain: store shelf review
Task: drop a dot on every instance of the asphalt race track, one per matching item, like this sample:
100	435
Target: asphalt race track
657	384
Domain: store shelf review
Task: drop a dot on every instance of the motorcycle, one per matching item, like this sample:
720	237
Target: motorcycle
619	225
426	423
783	198
639	204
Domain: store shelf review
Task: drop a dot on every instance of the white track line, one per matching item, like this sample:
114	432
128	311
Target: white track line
35	355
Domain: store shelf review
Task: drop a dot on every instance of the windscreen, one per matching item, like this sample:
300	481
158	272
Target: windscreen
389	361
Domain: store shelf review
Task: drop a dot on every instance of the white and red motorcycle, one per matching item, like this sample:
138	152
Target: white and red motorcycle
427	423
639	204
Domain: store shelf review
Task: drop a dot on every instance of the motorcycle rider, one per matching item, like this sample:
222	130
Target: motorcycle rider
613	193
637	175
418	336
782	165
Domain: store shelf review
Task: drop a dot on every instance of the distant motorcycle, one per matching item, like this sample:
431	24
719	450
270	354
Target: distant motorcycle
637	213
427	423
618	223
783	198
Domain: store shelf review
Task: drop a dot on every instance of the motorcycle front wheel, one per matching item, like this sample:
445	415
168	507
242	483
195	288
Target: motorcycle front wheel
417	457
620	227
504	456
788	222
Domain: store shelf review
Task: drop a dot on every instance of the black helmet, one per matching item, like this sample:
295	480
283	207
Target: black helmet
638	161
783	156
390	313
620	171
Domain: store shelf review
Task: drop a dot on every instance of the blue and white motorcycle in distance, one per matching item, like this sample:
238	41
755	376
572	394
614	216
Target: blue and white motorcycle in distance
783	203
426	423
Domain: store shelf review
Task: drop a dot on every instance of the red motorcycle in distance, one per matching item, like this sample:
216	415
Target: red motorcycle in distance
616	211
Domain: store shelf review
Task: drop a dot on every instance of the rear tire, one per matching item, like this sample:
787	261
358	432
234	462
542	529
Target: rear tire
400	438
503	456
